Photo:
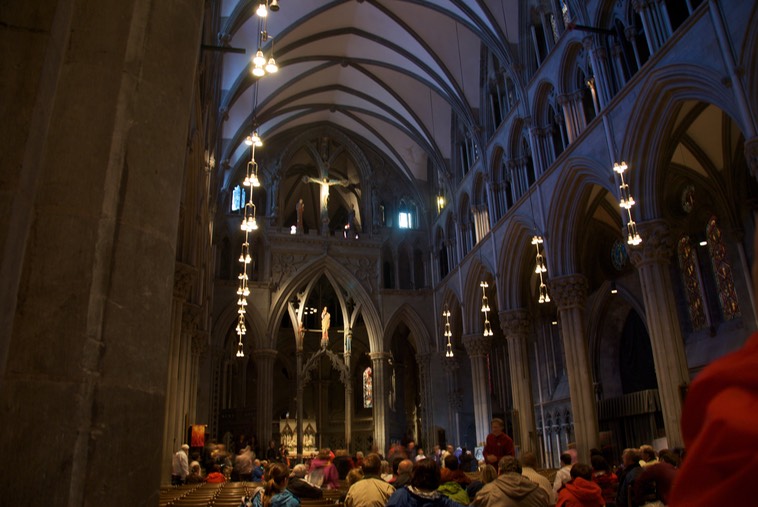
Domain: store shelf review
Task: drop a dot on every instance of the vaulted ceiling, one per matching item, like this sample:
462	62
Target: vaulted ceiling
393	72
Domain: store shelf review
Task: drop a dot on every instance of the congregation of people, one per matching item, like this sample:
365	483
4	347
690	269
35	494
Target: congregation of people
408	477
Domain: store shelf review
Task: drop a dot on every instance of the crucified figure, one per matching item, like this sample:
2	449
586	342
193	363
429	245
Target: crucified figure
325	183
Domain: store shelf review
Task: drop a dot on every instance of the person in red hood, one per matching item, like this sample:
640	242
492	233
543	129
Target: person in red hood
720	430
580	491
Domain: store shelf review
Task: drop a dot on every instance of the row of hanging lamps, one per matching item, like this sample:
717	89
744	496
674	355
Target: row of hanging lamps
248	226
626	201
540	269
485	309
261	65
448	332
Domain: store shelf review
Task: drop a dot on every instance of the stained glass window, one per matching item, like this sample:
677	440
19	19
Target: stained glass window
691	278
722	271
368	400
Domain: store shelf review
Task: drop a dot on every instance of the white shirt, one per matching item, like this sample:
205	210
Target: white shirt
562	476
179	465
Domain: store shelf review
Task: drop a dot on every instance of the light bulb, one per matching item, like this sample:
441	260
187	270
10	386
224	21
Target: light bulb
262	11
271	66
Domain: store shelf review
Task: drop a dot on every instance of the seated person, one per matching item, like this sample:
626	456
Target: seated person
453	481
422	491
195	476
215	477
257	474
301	488
605	478
580	491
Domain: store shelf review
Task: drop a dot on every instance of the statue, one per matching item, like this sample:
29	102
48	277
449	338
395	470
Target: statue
325	322
299	207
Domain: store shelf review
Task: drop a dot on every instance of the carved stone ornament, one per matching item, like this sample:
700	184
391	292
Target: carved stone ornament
337	364
569	291
200	341
364	270
477	345
515	322
184	278
657	246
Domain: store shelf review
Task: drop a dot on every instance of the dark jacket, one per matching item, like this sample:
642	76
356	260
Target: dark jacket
303	489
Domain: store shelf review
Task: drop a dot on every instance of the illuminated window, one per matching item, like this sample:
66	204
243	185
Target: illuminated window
238	198
405	220
722	271
368	400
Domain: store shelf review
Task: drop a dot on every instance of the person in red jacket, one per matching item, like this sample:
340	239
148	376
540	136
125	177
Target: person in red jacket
580	491
498	443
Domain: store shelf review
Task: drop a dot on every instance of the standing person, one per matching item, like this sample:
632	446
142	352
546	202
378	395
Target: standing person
325	323
180	466
322	472
498	443
272	454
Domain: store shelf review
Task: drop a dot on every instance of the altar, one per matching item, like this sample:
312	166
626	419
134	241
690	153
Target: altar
288	436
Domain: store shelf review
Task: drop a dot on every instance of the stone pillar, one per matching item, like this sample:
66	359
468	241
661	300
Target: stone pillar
573	127
478	348
170	437
652	259
570	295
349	398
102	95
454	399
380	389
751	155
264	393
599	63
657	30
425	394
299	400
516	327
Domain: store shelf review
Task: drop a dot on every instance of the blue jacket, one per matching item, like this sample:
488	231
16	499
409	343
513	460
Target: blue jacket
283	499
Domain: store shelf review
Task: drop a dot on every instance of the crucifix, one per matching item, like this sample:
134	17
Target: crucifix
325	183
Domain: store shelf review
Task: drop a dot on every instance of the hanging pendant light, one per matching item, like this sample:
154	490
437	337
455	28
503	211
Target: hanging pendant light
540	268
448	332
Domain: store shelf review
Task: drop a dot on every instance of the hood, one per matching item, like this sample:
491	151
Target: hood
514	485
585	491
282	498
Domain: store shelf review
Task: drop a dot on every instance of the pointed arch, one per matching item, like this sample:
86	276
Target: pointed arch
660	97
516	263
407	315
563	218
344	282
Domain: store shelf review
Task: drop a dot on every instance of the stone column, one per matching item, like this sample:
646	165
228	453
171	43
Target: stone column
570	295
652	259
478	348
102	95
425	394
599	63
380	389
264	391
170	438
454	399
751	155
300	415
573	128
516	327
655	24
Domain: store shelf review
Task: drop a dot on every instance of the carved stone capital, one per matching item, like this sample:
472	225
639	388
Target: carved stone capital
200	341
263	355
751	155
380	356
515	322
450	365
184	278
477	345
191	317
569	291
657	245
588	42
